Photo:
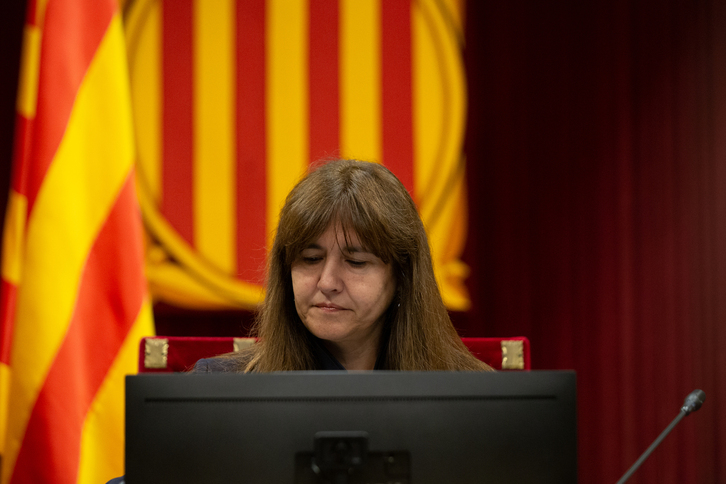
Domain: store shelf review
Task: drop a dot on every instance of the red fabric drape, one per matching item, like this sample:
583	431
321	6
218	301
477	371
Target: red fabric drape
596	156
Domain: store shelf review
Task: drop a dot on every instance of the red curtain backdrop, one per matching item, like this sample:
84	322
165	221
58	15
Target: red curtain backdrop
596	158
596	155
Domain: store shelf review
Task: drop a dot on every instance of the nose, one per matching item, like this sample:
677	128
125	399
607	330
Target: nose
330	280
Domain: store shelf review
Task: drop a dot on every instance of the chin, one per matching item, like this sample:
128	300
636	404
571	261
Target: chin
325	332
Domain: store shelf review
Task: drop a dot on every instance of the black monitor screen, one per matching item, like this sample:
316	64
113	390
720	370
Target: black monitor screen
371	427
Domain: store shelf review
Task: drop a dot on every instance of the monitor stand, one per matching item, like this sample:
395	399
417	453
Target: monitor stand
343	458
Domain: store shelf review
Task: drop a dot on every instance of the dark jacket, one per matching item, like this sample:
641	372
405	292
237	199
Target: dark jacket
222	364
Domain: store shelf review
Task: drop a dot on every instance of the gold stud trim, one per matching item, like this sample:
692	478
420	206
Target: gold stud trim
243	343
156	351
512	354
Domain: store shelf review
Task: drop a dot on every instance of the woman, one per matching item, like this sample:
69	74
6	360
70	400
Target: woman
350	283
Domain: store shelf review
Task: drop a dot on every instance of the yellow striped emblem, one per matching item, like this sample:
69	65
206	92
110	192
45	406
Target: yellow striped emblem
234	99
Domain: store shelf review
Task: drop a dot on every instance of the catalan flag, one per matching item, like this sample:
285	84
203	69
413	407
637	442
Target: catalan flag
74	298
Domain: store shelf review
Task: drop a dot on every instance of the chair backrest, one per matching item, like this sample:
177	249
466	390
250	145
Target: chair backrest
169	354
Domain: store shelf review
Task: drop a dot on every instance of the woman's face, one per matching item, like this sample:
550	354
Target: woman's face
341	291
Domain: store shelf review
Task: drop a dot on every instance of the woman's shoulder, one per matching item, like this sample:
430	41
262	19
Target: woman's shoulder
229	363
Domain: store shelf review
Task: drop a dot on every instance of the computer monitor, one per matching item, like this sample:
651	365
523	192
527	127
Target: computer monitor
369	427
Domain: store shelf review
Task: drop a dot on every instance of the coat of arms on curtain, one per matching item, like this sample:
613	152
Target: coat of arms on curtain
234	99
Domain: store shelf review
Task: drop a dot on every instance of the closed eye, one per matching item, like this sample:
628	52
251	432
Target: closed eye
356	263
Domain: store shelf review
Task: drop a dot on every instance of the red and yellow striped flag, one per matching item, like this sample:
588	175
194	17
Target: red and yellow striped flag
74	298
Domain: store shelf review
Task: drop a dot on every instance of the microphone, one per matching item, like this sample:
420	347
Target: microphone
693	402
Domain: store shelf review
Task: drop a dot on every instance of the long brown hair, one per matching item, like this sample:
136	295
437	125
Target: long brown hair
368	199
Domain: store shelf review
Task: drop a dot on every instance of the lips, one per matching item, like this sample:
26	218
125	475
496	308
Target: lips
329	307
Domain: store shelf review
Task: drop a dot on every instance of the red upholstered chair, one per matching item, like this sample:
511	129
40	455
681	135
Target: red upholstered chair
168	354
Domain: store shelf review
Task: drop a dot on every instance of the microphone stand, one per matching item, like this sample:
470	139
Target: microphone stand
693	402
